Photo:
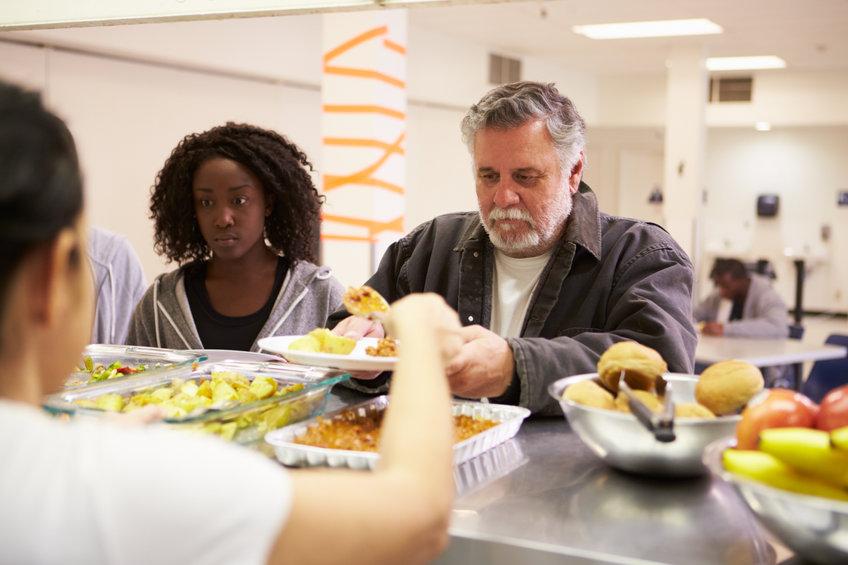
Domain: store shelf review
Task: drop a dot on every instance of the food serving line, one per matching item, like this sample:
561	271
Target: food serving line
544	497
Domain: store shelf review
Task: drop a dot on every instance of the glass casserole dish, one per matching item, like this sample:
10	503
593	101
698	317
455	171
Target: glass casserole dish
235	400
101	363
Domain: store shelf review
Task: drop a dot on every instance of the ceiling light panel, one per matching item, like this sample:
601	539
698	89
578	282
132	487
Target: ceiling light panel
659	28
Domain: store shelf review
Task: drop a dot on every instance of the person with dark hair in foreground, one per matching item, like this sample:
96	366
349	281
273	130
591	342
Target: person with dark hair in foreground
236	208
87	491
543	280
757	310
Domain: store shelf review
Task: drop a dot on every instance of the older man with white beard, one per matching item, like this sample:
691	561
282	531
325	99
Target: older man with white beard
542	280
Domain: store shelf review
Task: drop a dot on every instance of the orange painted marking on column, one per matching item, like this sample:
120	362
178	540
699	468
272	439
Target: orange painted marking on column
365	73
364	109
364	176
357	142
347	238
374	227
389	44
351	43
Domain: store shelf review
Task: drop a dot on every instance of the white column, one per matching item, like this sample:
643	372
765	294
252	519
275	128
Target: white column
364	139
686	98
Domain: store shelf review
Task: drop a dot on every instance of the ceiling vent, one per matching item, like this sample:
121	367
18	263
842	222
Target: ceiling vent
503	70
731	89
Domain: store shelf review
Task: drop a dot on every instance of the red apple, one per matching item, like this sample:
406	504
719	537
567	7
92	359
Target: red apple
781	408
833	411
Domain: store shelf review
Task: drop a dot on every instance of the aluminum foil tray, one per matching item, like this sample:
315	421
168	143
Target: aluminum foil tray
297	455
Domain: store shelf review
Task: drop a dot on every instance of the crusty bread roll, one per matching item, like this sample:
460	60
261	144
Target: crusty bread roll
692	410
649	399
727	386
589	393
641	365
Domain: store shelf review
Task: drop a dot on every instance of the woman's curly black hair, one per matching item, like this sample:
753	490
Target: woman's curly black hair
281	166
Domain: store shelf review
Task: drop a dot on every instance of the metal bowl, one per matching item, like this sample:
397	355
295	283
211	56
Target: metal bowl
815	528
619	439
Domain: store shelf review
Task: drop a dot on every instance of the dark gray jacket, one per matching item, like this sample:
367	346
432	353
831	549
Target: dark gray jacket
163	317
609	279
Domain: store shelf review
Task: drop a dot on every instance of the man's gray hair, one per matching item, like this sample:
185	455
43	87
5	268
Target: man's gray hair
512	105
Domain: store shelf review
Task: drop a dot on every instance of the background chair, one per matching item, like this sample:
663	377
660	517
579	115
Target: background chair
827	375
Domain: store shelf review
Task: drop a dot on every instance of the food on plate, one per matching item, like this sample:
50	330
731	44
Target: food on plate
322	340
642	366
779	408
808	451
354	432
589	393
770	470
386	347
363	301
727	386
649	399
833	410
692	410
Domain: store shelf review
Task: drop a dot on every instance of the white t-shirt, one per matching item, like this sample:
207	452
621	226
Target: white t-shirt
86	492
512	287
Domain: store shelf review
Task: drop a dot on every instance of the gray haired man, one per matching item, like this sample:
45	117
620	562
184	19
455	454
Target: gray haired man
542	280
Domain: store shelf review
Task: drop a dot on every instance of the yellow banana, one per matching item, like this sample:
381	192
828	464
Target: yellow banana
769	470
839	438
808	451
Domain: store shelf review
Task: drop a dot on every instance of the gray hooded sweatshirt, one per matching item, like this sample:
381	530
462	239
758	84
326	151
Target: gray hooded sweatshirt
163	317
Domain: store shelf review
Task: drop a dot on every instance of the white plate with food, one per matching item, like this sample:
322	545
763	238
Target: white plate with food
315	350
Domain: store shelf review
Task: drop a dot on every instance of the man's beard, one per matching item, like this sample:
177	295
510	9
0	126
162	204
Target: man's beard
540	235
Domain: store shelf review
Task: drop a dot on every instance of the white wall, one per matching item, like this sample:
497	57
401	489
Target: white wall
806	167
126	118
783	98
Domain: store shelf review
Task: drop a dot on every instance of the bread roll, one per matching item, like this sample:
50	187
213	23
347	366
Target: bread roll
589	393
649	399
692	410
641	365
727	386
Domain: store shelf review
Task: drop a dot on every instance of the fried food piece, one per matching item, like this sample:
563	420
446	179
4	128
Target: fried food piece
386	347
649	399
589	393
363	301
641	365
324	341
692	410
727	386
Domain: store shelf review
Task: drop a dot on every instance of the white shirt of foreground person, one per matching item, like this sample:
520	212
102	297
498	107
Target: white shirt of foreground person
77	492
512	286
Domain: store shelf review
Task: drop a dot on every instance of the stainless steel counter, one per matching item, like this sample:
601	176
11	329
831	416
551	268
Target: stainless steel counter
543	497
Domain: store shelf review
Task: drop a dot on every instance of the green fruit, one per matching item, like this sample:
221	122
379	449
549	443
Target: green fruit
769	470
839	438
807	450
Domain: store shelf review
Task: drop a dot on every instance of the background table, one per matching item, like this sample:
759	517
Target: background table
763	352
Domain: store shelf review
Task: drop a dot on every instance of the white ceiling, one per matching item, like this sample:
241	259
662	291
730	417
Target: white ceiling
808	34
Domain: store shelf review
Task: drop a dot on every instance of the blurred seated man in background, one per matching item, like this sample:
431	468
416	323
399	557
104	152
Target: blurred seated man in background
119	284
542	279
757	310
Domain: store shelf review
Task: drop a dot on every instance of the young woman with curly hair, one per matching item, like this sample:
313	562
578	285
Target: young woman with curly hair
236	208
